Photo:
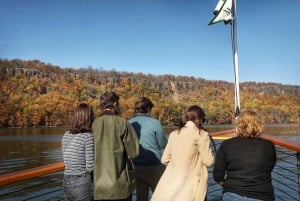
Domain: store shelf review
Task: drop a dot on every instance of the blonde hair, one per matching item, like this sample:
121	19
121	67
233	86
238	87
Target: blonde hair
249	124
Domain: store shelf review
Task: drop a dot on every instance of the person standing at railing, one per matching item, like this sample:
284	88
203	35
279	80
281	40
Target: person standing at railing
186	156
147	166
244	163
116	144
78	155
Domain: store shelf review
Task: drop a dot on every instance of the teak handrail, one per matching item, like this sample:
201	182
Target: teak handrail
289	144
286	143
31	173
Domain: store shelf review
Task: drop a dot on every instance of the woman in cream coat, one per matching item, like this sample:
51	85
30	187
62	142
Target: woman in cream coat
186	156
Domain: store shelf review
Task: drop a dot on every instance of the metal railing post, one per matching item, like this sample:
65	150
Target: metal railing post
298	167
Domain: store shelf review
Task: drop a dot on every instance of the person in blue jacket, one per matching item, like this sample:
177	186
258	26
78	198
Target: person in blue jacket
152	139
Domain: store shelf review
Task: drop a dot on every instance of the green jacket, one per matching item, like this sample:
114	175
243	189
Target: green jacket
116	143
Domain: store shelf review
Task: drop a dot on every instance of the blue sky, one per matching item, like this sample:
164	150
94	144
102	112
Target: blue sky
156	37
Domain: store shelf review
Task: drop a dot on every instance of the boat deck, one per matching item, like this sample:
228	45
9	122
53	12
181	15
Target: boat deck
45	182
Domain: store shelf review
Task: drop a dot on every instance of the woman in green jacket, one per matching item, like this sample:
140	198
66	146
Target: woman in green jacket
116	143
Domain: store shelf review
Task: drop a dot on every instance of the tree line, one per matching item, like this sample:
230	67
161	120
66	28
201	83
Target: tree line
33	93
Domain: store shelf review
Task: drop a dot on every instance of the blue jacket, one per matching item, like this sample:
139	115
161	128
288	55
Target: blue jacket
152	139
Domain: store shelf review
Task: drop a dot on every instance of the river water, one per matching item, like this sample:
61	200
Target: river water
23	148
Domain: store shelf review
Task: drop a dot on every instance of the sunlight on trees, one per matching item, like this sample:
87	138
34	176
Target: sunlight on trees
33	93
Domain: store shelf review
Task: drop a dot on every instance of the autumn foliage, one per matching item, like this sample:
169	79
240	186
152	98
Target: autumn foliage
33	93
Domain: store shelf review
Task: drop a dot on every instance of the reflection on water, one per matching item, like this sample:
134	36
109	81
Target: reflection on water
33	131
283	129
19	155
23	148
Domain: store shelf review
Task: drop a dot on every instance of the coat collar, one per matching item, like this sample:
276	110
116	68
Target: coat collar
141	114
107	112
189	124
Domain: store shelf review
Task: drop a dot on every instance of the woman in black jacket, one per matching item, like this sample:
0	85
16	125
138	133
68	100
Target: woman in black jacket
244	163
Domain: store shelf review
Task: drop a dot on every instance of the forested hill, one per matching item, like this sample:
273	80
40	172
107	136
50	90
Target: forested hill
33	93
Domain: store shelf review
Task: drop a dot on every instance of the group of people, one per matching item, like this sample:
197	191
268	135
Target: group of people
108	157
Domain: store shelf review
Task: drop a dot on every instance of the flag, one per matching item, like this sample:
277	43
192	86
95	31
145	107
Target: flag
222	12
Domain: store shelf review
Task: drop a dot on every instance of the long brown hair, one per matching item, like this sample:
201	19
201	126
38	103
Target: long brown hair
195	114
82	119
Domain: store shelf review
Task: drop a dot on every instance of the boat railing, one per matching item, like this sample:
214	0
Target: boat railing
285	176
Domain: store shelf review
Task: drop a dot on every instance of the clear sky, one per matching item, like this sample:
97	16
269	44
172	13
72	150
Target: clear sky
156	37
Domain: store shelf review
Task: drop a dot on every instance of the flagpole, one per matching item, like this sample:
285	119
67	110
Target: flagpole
226	11
235	59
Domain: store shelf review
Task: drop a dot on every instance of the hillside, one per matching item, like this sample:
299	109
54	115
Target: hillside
33	93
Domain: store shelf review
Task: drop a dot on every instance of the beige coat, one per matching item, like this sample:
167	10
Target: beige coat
187	156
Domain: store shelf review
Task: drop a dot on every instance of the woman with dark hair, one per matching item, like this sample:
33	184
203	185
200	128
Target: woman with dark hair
186	156
78	155
244	163
147	166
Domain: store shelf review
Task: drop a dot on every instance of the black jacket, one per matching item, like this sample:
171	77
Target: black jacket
245	166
